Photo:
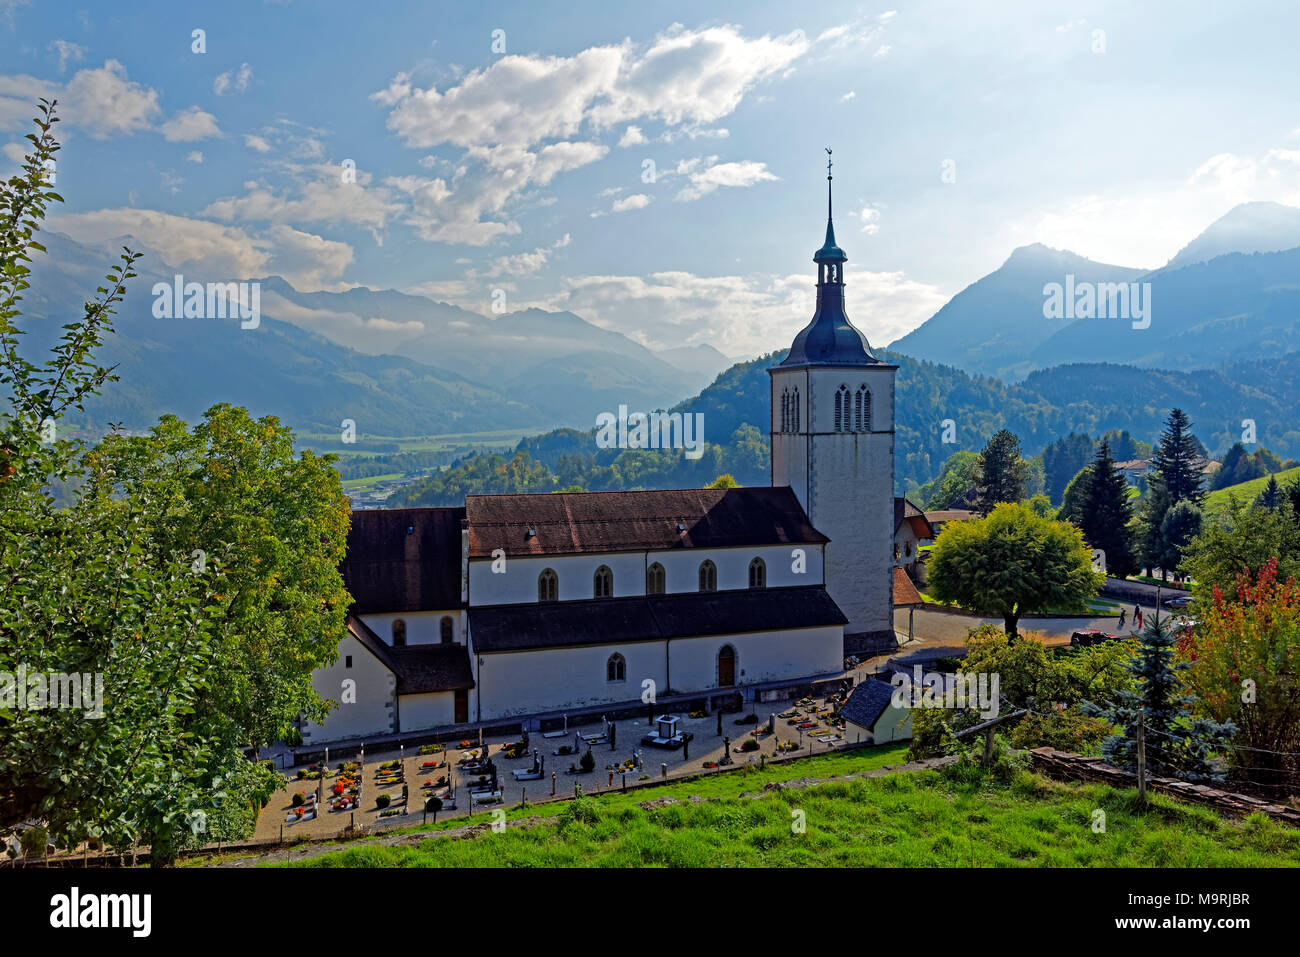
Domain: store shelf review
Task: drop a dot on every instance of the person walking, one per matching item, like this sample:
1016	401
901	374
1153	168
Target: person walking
1123	614
1137	615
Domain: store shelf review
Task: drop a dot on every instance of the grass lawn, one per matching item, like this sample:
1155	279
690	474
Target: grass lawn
1216	503
956	817
369	480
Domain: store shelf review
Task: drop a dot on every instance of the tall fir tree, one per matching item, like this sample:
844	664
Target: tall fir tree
1174	462
1176	743
1104	513
1271	498
1002	472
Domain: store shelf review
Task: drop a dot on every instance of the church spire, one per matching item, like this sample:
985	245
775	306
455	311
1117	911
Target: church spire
830	339
829	253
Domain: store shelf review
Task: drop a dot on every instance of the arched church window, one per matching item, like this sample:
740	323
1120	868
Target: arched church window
447	629
843	410
616	668
785	410
708	576
655	580
794	419
548	585
399	632
757	574
603	582
862	410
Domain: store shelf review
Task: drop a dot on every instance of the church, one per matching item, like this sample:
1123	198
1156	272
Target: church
519	607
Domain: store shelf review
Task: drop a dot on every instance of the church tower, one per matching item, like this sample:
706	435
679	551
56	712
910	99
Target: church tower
832	442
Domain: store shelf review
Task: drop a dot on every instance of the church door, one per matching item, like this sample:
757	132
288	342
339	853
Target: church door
726	667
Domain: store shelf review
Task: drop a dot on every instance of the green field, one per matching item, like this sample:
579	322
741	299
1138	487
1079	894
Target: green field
955	817
1216	503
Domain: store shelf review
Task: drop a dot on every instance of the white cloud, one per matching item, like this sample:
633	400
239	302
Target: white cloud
194	156
740	314
682	76
106	102
212	251
319	195
231	79
255	142
68	52
848	96
15	152
870	218
189	125
18	99
707	177
632	136
523	264
635	201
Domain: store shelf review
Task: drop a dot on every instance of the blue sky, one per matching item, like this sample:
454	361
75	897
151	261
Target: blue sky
524	171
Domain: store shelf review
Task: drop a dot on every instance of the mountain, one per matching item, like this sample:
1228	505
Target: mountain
991	326
184	366
566	368
703	360
455	370
1088	399
1235	307
1248	228
1231	294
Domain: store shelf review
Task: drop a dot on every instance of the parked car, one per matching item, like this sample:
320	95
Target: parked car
1083	639
1178	601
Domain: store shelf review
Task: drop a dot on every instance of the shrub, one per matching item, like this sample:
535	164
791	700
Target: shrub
587	762
748	719
383	801
33	841
433	805
298	799
749	744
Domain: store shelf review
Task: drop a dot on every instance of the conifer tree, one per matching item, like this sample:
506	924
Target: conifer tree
1176	743
1104	513
1002	472
1271	498
1175	458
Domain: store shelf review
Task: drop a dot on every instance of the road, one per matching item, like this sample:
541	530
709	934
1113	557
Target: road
943	633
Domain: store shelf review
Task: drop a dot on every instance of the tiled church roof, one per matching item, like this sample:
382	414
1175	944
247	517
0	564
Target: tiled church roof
404	559
419	668
574	523
651	618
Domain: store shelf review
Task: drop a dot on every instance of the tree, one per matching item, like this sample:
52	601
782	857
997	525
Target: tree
1174	462
1176	743
1271	497
1243	664
1243	540
1182	523
1012	563
1062	460
960	473
723	481
1002	472
1104	513
192	581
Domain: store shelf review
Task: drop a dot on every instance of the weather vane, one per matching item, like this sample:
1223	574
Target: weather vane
828	162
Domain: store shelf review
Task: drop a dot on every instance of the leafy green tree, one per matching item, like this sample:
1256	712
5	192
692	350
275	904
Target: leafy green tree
960	473
1244	540
1002	472
1010	564
193	578
1177	744
1105	511
723	481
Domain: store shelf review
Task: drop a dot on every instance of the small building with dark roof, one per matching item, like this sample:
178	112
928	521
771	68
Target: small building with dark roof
874	714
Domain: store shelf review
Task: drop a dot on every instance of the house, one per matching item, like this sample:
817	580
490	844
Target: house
871	716
524	606
912	531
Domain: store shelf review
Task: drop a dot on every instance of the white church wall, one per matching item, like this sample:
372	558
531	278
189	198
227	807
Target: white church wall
760	657
549	679
682	566
518	583
419	712
372	710
422	627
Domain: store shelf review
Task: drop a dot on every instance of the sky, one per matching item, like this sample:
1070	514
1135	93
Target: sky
658	169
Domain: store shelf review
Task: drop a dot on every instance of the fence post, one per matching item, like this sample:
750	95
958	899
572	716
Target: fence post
1142	757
